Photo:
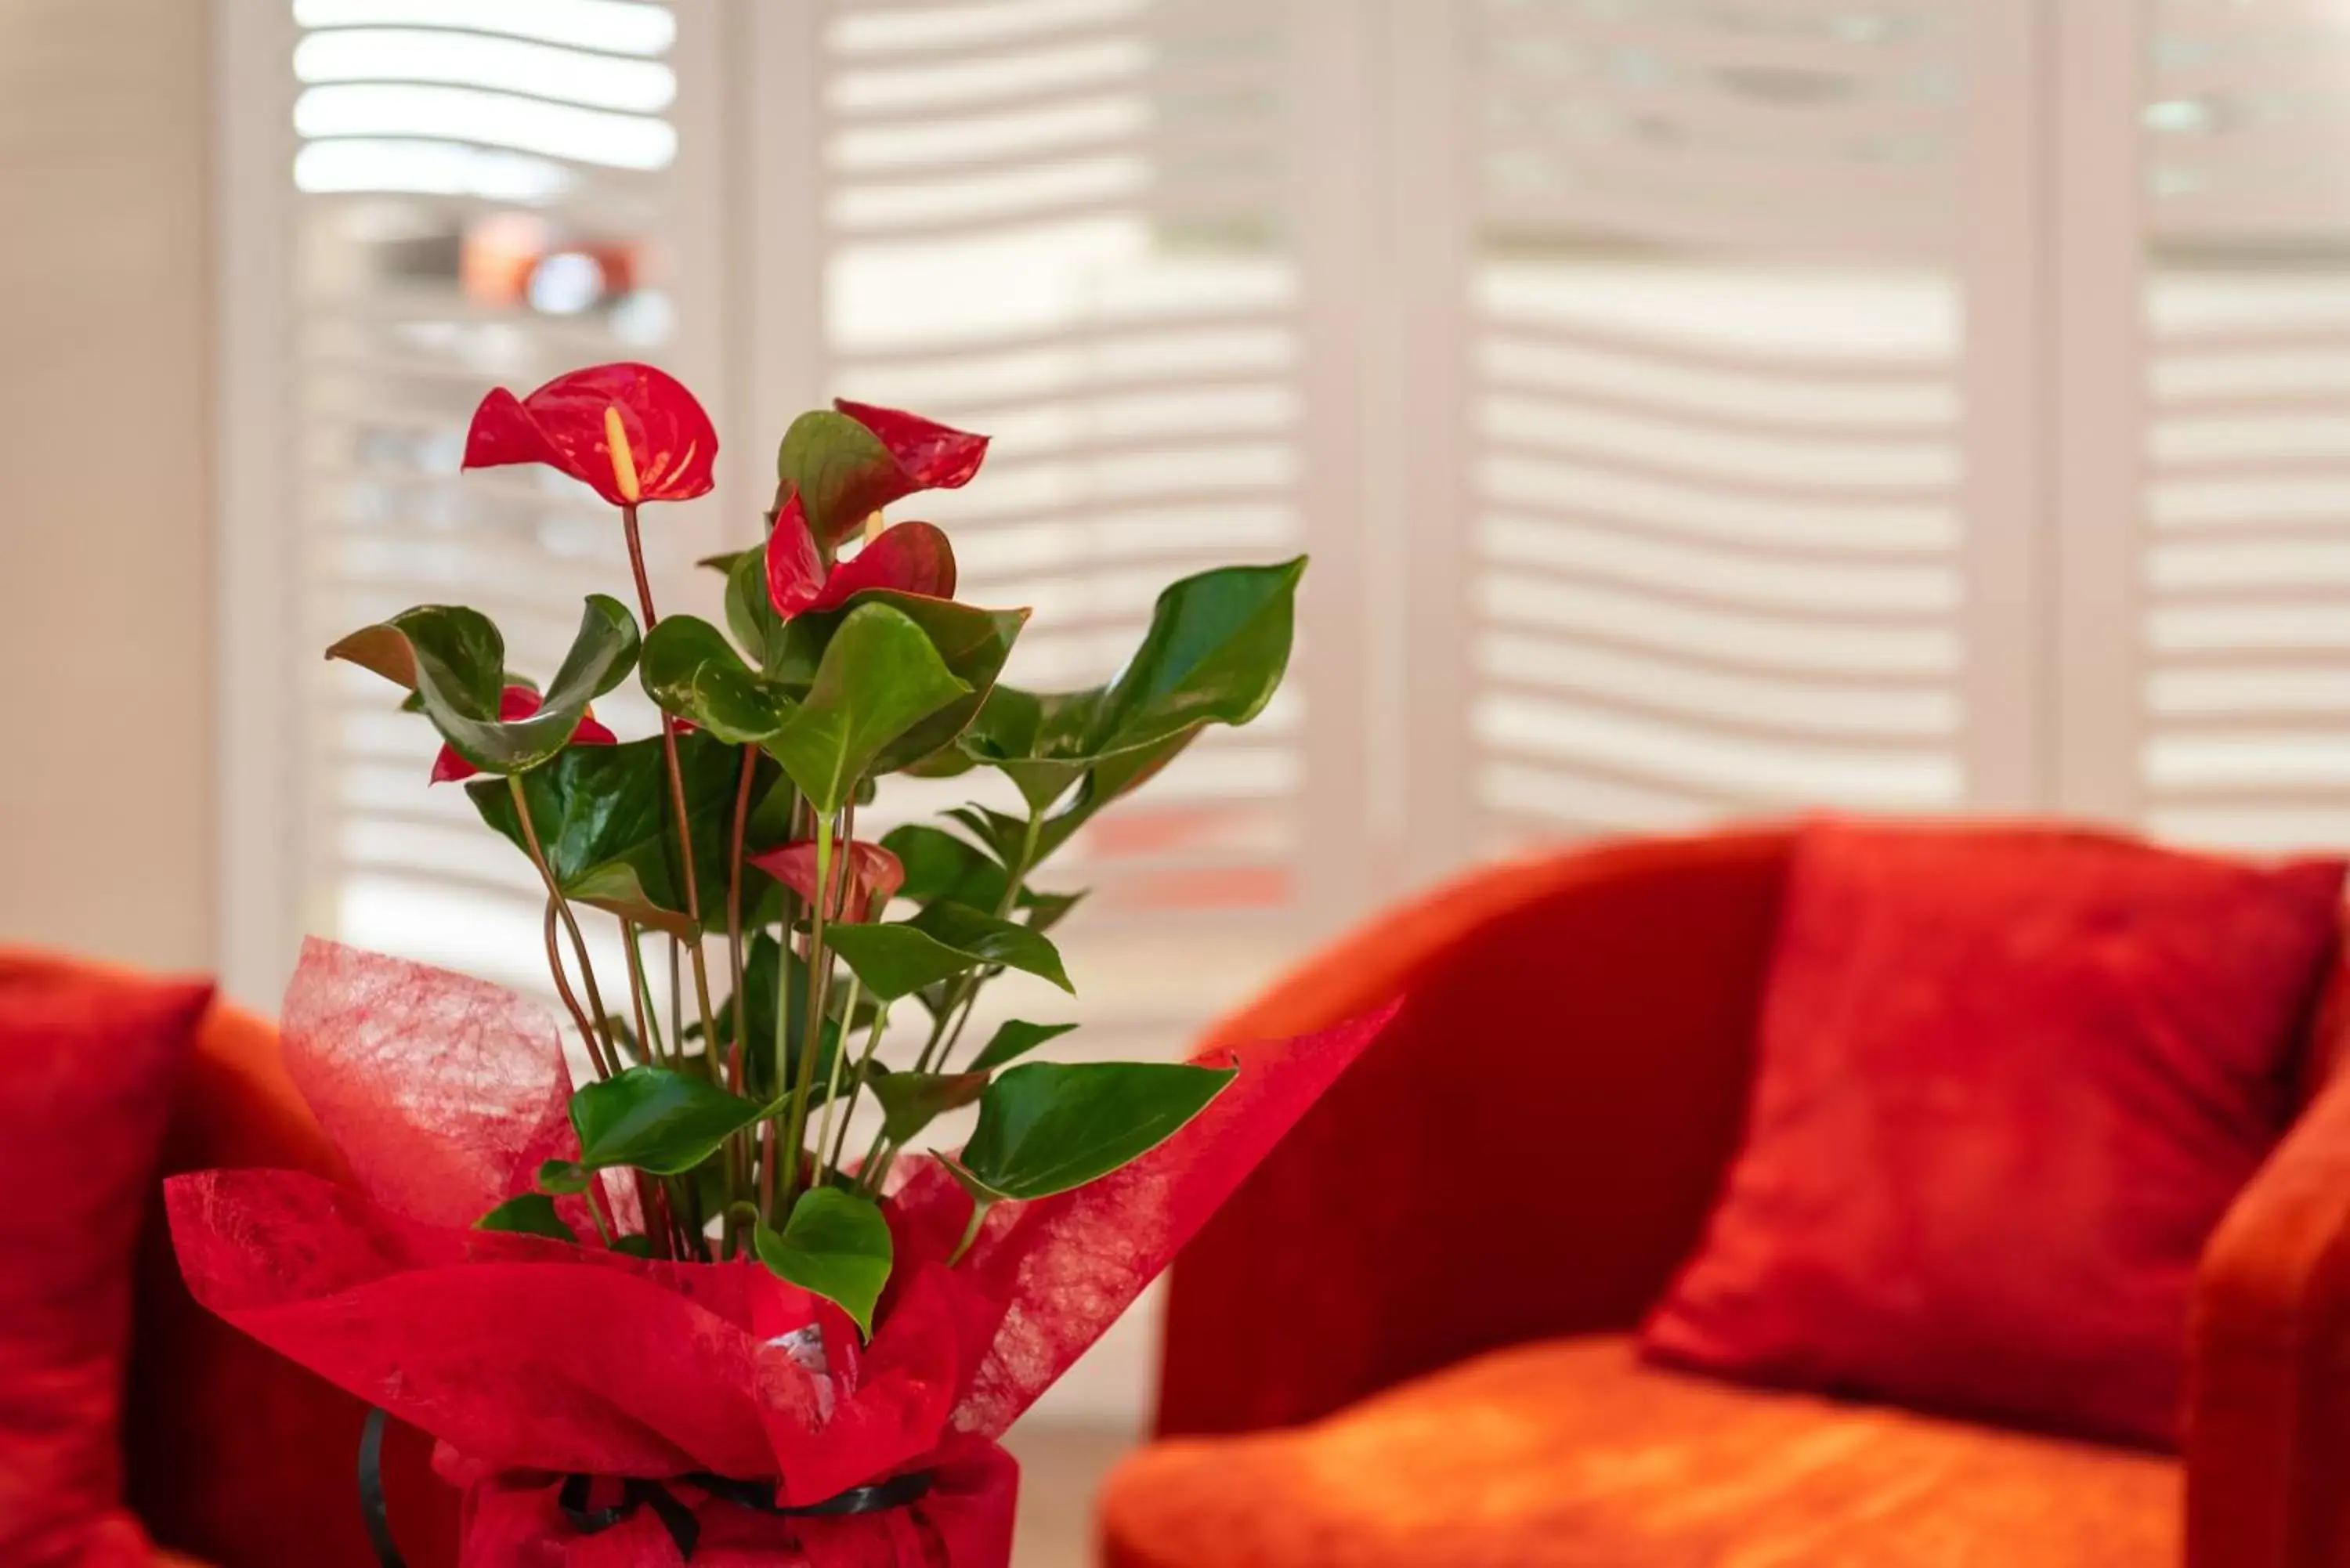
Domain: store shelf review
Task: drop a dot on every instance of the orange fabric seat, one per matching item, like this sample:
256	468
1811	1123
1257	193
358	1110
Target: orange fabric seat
1402	1341
1575	1454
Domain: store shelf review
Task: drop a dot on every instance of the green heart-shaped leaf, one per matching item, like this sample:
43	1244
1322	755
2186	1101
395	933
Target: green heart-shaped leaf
913	1101
972	643
531	1214
898	958
749	615
1218	646
941	865
604	816
836	1244
454	660
1048	1126
880	677
759	1006
656	1119
1005	942
1014	1039
691	670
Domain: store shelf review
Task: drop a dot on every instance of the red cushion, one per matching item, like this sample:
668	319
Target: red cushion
88	1061
2007	1082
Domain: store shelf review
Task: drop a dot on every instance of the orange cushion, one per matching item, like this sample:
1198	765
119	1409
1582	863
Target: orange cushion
2008	1079
1574	1454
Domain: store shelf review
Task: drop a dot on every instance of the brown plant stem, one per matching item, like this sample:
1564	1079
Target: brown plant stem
562	909
676	794
570	1001
735	1066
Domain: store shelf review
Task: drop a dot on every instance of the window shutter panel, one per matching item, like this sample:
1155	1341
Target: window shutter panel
2241	622
483	194
1072	224
1742	282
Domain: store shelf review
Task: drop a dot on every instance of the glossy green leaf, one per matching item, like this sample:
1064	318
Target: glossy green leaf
841	470
531	1214
898	958
913	1101
462	646
836	1244
1048	1126
691	670
448	658
1217	648
1014	1039
656	1119
749	615
941	865
880	677
972	643
1005	942
604	817
563	1178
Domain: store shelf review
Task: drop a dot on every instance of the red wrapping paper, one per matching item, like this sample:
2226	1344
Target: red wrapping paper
531	1360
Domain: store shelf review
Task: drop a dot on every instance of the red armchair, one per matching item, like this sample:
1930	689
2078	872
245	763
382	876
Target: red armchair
236	1456
1372	1362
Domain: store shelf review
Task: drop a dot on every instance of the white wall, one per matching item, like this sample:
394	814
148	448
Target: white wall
106	806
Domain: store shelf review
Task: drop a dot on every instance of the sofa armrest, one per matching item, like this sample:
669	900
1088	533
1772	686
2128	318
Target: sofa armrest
234	1453
2268	1424
1529	1150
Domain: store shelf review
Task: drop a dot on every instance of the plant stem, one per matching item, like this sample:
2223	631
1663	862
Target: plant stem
597	1204
768	1130
571	1001
563	910
646	1040
676	786
811	1045
857	1085
966	992
735	1065
832	1081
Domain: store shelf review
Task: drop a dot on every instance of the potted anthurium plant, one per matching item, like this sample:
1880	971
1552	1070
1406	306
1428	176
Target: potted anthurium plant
676	1307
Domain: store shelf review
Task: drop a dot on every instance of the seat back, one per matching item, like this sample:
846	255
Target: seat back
1528	1151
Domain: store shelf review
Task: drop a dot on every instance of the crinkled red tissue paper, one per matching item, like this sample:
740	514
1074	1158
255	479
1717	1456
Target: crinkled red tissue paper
531	1360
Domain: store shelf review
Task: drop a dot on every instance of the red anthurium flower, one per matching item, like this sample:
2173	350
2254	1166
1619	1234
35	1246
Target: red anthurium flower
627	431
874	874
912	558
923	456
518	702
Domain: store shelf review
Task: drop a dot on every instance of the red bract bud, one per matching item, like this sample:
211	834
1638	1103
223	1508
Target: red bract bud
627	431
930	455
874	875
518	702
911	558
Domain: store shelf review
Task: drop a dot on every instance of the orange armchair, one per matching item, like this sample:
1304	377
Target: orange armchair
236	1456
1371	1361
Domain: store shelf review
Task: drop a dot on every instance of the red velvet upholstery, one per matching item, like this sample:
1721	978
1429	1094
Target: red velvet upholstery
1574	1087
237	1457
2008	1079
87	1064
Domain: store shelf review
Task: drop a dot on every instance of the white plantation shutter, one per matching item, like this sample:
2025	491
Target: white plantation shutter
1693	408
1726	287
2238	670
484	194
1072	224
